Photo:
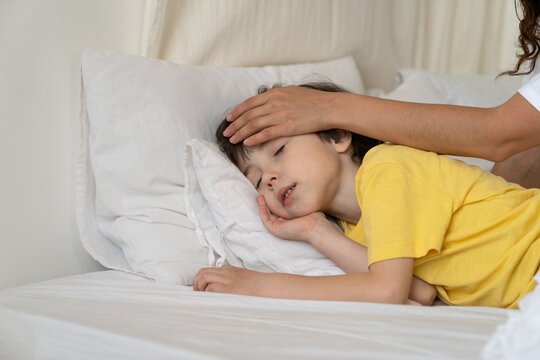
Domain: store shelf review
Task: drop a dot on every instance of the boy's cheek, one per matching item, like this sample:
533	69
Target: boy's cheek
276	208
272	205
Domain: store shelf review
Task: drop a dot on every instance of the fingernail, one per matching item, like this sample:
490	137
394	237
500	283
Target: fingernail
227	133
247	142
229	117
232	140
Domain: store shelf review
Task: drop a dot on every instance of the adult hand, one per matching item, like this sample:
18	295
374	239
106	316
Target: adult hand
306	228
286	111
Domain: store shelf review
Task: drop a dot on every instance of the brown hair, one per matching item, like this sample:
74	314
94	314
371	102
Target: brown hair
529	37
360	144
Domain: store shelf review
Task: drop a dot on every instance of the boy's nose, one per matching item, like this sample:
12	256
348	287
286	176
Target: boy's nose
270	178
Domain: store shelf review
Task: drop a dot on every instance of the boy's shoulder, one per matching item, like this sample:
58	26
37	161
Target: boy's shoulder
392	159
390	153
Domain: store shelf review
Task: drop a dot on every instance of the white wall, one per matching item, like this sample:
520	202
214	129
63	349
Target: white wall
40	47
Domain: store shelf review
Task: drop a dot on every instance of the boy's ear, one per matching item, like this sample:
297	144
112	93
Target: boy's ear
344	143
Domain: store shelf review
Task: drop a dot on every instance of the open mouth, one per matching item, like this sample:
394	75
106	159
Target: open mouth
285	194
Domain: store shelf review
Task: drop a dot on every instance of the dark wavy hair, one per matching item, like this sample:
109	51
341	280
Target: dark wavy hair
360	144
529	37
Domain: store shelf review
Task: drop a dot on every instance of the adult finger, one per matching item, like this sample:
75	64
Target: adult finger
246	105
267	134
247	118
255	125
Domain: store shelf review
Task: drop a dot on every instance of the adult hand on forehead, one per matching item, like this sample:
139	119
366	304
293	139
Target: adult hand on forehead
286	111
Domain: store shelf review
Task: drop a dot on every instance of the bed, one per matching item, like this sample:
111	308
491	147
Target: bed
156	200
114	315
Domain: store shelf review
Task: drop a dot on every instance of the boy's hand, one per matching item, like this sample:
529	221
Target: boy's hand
231	280
422	292
305	228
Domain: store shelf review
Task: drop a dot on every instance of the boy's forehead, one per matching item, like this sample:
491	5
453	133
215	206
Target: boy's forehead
254	149
247	160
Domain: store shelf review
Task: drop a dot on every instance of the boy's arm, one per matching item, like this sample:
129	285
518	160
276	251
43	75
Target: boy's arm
387	281
350	256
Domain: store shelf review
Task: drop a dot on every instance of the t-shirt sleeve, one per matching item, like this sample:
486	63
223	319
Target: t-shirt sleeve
531	91
404	215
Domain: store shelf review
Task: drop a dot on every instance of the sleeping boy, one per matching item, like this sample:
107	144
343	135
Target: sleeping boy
414	217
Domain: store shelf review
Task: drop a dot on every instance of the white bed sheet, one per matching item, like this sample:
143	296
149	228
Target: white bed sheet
114	315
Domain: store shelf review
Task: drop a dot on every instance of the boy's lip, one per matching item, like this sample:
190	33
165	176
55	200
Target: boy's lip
283	191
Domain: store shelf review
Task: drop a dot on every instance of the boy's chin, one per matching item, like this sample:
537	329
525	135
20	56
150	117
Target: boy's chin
293	211
290	215
281	214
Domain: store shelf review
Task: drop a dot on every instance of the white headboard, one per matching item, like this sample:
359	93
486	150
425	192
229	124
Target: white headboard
451	36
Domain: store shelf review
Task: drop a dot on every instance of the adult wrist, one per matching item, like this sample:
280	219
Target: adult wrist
340	106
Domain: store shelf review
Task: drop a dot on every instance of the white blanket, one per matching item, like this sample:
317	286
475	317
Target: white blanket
519	336
114	315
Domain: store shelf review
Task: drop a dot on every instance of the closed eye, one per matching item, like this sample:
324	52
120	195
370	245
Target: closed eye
279	150
275	154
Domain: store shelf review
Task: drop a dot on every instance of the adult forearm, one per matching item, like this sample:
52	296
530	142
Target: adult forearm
439	128
489	133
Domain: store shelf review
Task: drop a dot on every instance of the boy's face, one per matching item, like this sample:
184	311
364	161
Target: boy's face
296	175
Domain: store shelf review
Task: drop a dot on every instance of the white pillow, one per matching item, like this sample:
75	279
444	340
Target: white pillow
221	203
137	115
423	86
465	90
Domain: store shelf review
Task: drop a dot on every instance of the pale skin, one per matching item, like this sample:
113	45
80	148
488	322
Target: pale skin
508	135
321	176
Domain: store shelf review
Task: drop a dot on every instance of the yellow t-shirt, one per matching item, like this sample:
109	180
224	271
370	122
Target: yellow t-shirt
473	235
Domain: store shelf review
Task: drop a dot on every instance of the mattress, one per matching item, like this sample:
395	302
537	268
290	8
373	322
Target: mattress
115	315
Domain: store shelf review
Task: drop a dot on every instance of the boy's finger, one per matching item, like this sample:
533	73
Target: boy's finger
197	283
268	219
263	210
205	277
261	201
